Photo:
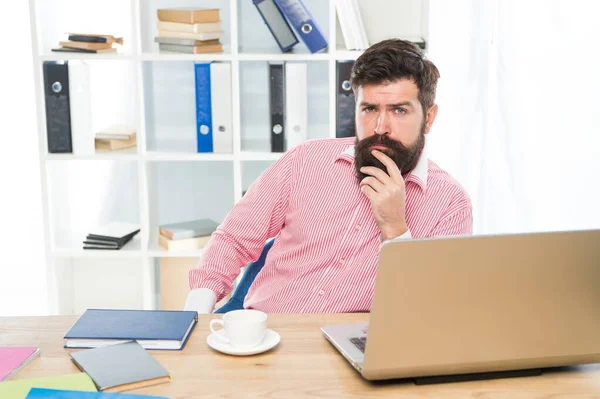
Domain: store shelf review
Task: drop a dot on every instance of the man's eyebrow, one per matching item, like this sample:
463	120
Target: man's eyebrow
367	104
400	104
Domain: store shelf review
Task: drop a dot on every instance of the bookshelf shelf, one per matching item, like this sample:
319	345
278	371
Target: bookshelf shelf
70	245
283	57
129	154
163	180
164	56
82	56
181	156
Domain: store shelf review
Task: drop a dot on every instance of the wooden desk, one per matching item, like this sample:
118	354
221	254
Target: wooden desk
304	364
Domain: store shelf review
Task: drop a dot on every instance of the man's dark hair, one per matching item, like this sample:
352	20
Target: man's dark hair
391	60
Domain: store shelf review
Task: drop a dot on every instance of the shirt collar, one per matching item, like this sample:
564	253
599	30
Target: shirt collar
418	175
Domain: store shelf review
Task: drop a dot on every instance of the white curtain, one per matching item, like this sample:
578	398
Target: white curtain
519	99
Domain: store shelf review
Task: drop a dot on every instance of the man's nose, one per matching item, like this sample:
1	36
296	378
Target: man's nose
382	126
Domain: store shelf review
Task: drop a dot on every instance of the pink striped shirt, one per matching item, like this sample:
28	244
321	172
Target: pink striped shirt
324	257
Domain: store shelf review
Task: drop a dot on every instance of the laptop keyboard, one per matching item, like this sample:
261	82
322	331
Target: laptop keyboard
360	343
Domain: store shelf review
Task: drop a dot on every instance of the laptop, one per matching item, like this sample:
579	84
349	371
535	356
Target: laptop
479	304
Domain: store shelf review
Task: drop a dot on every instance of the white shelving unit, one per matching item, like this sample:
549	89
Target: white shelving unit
163	179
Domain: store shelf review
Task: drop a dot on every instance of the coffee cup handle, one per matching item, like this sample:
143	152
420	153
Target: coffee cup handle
220	337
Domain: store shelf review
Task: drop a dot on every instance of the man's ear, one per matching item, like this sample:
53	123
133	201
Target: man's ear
431	114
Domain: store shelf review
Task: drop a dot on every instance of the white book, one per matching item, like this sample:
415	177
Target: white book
192	28
357	38
221	105
296	104
191	35
80	108
343	17
360	27
117	132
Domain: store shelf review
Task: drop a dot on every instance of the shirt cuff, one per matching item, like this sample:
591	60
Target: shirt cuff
202	300
404	236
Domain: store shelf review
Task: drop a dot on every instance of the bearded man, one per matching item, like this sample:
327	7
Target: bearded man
331	203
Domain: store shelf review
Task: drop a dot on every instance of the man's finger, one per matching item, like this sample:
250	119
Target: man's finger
373	183
368	191
392	168
377	173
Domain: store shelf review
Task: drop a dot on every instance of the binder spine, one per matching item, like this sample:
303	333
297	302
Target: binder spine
204	128
81	107
277	107
57	103
296	103
304	24
277	24
220	77
345	110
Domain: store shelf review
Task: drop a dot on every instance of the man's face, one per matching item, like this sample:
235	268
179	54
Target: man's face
389	118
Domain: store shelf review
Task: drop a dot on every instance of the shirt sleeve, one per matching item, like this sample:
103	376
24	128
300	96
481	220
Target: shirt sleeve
239	240
458	220
405	236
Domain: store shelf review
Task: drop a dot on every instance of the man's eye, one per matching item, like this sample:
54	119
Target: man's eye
400	110
369	109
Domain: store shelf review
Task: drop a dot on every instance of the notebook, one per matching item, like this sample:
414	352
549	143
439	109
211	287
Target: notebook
18	389
42	393
115	230
13	358
188	229
153	329
120	367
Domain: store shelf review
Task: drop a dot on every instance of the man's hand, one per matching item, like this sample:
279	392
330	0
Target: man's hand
387	194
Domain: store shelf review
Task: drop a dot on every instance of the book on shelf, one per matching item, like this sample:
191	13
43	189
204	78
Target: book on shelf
191	35
114	144
93	38
18	389
112	235
44	393
179	48
186	244
89	43
14	358
191	28
189	15
85	45
185	42
116	132
153	329
351	24
188	229
120	367
82	50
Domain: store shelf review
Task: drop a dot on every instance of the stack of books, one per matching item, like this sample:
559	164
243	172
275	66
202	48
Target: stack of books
115	137
189	30
189	235
111	236
89	43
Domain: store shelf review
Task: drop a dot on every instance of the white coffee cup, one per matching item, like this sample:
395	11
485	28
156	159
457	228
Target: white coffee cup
243	329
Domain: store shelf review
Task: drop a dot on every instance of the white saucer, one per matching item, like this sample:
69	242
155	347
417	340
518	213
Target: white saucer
270	340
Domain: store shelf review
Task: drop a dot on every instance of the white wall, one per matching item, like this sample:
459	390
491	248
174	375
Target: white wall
22	263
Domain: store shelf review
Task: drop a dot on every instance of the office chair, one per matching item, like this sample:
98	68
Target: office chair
252	269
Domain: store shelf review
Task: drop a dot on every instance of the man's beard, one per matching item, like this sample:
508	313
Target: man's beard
406	158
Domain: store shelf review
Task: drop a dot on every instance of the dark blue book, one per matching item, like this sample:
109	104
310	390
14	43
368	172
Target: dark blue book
153	329
39	393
